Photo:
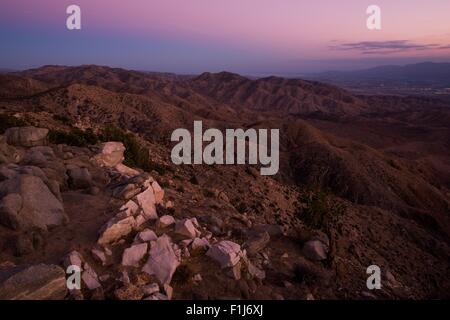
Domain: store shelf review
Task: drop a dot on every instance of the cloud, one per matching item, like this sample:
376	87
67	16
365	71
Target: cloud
386	47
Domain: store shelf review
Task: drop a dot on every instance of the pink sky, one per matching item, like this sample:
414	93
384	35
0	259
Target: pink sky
285	30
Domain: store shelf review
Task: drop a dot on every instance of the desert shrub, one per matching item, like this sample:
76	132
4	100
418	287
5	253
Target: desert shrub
135	154
63	119
8	121
75	137
317	209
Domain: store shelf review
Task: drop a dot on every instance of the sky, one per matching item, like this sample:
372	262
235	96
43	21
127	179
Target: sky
253	37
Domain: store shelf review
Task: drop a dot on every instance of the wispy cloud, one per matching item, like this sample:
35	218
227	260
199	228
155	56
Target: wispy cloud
386	47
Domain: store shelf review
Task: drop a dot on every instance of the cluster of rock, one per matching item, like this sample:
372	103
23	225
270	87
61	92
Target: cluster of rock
31	179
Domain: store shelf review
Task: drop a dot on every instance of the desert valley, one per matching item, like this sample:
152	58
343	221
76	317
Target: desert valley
86	179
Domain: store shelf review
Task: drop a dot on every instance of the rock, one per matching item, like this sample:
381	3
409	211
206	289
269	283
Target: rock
39	282
104	277
200	244
129	292
6	173
162	261
130	208
150	289
169	291
186	228
100	256
111	154
226	253
186	253
157	296
26	136
74	258
55	188
146	236
169	204
126	192
165	221
10	206
235	271
132	256
147	202
34	158
391	281
126	171
140	220
79	178
115	229
40	208
315	250
254	271
158	192
90	278
257	242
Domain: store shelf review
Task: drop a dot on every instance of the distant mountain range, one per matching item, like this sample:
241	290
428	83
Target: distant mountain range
425	76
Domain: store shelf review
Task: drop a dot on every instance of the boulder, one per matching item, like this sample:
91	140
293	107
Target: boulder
147	202
162	261
34	158
158	191
26	136
10	206
130	208
40	208
315	250
187	229
165	221
111	154
150	289
226	253
39	282
257	242
115	229
74	258
146	236
157	296
101	255
132	256
126	171
90	278
200	244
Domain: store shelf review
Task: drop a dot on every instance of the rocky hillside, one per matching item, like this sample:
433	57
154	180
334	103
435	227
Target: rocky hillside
363	180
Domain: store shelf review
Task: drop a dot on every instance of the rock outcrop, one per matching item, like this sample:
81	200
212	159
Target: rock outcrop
39	282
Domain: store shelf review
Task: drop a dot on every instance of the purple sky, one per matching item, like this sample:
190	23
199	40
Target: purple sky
246	36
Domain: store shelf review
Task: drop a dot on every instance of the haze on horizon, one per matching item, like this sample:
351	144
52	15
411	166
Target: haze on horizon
253	37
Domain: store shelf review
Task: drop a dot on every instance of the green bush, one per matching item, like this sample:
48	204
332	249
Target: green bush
317	210
8	121
64	119
75	137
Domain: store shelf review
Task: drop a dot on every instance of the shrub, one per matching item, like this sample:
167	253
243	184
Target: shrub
317	210
64	119
75	137
135	154
8	121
